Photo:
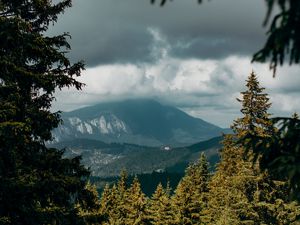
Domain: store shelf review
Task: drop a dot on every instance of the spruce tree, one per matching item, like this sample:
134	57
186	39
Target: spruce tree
122	205
190	196
239	188
160	210
37	185
255	105
110	207
113	202
231	188
122	191
135	204
106	202
90	208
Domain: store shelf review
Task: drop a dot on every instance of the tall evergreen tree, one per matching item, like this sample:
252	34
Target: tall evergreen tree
239	188
37	185
255	105
122	204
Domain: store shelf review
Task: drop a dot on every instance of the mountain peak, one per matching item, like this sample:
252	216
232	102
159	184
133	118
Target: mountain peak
137	121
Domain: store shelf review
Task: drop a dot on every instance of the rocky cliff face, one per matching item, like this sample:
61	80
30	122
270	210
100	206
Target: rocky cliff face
143	122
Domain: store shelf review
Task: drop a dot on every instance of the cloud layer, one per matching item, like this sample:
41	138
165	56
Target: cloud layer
117	31
195	57
203	88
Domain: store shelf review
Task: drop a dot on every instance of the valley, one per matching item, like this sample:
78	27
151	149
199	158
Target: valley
140	136
107	160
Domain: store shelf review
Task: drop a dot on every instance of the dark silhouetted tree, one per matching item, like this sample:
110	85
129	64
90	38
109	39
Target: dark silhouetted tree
37	185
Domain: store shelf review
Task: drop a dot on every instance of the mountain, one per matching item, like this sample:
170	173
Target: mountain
107	160
142	122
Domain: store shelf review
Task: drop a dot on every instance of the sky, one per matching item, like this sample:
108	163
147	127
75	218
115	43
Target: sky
193	56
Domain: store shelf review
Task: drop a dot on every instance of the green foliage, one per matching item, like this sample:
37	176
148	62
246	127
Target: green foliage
90	209
279	153
37	185
122	204
230	188
135	205
283	34
255	105
160	210
276	148
109	205
119	214
190	196
239	192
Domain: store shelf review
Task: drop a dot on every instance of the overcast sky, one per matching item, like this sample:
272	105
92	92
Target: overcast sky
195	57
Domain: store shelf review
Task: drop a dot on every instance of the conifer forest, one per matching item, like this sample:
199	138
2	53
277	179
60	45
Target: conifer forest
256	181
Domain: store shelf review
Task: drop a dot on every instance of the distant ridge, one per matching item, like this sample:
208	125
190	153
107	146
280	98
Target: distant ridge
141	121
107	160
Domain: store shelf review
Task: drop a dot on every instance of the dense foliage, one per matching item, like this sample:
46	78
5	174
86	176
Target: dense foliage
37	185
248	194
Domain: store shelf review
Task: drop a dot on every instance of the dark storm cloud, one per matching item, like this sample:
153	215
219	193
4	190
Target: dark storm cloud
119	48
192	56
215	47
117	31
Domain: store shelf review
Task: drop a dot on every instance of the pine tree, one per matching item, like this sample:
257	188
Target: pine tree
256	122
255	106
110	207
113	201
231	187
135	204
122	184
160	210
122	190
199	200
90	208
106	202
190	196
239	188
122	205
37	185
